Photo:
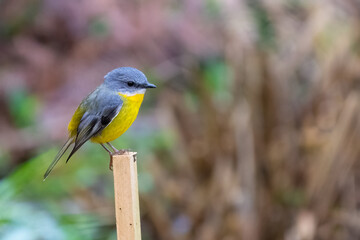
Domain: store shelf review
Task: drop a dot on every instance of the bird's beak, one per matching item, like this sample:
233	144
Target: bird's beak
149	85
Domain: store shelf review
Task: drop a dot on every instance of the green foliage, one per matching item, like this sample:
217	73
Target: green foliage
98	28
25	197
4	161
265	28
218	78
212	7
23	107
294	197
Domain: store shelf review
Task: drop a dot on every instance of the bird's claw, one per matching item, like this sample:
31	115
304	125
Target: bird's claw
111	163
118	152
121	152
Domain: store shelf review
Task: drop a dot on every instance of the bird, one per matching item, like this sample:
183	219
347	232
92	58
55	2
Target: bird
106	113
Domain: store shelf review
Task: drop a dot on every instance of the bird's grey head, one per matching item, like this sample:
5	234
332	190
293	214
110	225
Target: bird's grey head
127	80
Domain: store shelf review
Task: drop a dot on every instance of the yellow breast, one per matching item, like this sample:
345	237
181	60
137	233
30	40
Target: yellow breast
75	120
124	119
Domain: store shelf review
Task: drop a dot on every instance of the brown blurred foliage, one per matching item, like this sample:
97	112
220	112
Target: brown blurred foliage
273	155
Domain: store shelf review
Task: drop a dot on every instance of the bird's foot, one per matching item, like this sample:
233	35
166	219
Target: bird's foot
121	152
118	152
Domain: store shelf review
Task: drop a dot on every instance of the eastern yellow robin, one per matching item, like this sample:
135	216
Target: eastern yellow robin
107	112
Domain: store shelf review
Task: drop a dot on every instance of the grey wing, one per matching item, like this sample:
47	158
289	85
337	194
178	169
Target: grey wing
100	114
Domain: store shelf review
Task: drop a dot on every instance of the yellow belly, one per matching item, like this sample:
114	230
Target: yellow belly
124	119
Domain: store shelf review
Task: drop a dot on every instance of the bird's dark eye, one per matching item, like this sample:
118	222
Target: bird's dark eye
130	84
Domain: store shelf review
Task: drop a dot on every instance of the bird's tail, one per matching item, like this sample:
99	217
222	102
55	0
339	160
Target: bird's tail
58	156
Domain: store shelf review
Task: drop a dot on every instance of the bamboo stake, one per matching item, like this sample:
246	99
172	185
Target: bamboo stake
126	197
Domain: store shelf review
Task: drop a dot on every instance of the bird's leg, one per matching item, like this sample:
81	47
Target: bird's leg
121	151
113	148
111	154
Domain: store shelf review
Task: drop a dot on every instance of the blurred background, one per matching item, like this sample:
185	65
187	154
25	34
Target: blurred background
253	131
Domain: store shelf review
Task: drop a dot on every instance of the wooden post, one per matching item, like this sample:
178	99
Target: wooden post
126	197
